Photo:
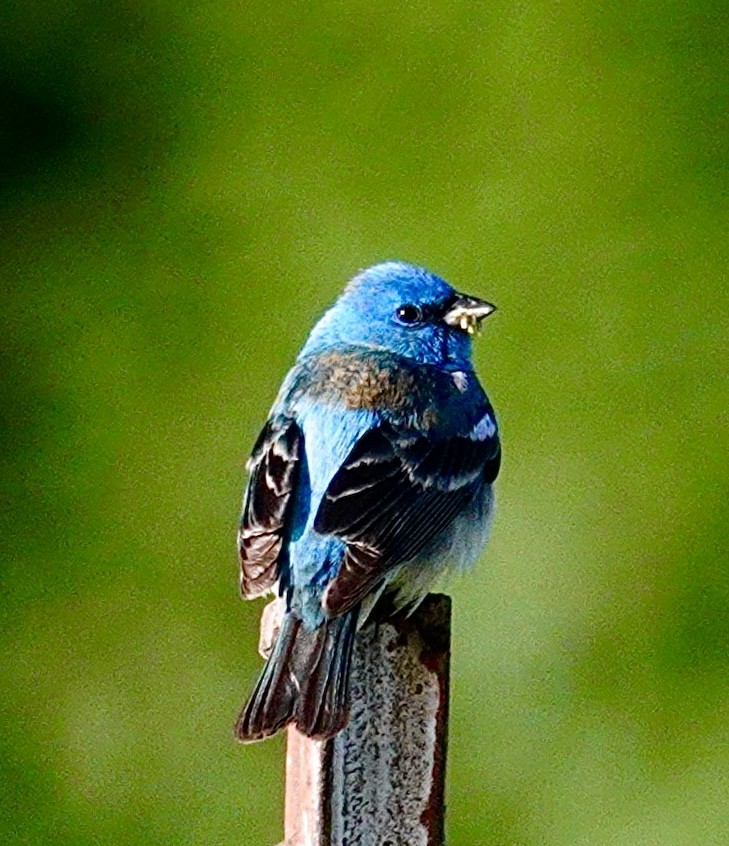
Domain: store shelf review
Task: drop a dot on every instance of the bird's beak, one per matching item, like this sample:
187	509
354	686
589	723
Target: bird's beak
466	313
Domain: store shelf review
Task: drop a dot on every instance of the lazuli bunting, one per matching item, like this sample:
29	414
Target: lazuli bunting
372	475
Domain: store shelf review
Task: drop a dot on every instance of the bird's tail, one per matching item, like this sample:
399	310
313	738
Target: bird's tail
305	681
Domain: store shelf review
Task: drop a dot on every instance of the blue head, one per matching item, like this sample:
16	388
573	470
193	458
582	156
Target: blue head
403	309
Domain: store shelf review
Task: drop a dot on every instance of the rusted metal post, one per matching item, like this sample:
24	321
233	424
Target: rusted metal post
381	781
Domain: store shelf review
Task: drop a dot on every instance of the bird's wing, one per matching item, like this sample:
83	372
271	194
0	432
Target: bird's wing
273	468
393	495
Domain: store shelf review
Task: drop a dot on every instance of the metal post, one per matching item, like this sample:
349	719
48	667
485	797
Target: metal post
381	781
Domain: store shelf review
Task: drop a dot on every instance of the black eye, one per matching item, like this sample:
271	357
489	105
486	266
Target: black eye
409	314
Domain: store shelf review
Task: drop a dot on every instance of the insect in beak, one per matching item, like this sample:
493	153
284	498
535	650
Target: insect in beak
466	313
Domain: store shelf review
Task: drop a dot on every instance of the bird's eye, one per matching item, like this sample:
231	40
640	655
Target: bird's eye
409	314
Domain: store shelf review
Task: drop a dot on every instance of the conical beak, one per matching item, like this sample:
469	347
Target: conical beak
466	313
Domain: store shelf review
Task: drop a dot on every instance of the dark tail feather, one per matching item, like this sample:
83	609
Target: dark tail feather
272	703
305	680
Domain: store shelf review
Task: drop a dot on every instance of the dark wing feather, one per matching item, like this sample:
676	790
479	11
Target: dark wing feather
273	468
392	497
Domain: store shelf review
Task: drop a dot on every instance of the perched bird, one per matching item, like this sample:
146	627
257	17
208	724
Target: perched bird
373	474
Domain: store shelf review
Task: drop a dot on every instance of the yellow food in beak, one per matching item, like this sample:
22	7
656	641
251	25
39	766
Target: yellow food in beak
469	324
466	313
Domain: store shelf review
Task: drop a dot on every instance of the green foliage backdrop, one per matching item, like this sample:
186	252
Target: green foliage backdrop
183	189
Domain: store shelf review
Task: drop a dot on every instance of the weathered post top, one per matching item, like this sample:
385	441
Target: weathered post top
381	781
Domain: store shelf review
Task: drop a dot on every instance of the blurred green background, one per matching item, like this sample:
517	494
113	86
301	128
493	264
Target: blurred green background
183	189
